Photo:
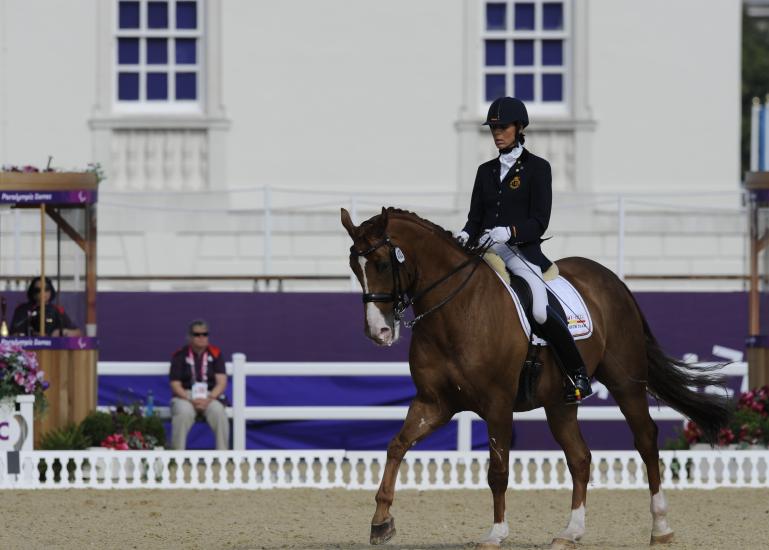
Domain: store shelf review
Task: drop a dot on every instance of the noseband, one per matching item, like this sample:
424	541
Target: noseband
398	296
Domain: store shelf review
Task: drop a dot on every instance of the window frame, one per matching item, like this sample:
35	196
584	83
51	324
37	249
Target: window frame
171	106
538	36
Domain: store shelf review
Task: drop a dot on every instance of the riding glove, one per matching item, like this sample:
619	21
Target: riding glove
500	234
462	237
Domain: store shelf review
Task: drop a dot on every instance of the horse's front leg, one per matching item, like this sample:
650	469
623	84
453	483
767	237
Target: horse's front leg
500	429
422	419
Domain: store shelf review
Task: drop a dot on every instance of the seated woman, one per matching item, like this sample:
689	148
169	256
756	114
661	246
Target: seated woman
26	320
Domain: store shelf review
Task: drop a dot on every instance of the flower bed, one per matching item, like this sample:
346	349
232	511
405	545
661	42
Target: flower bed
748	428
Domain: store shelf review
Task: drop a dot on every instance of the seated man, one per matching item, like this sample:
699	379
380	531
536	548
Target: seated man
198	380
26	319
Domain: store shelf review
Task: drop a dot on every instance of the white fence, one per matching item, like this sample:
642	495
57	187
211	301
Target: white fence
322	469
239	369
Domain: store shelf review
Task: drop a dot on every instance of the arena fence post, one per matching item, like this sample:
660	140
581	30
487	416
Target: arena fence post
465	432
267	230
238	401
621	237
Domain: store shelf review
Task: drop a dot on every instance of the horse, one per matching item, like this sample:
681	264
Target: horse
467	351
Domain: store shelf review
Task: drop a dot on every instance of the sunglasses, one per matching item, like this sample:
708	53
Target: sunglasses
198	334
37	290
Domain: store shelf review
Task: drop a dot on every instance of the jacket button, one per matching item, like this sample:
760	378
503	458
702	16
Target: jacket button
497	203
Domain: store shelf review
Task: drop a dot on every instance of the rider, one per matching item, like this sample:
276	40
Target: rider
510	206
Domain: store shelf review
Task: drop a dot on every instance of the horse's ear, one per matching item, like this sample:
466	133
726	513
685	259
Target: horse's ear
347	223
380	226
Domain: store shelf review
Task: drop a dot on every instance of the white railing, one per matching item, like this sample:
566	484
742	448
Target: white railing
240	413
322	469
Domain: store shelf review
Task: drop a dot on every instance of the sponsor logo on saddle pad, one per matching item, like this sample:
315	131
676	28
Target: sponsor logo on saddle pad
577	315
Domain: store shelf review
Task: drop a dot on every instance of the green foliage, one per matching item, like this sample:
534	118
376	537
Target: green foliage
677	443
97	426
68	437
153	425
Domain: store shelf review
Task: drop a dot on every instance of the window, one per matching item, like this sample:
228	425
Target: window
158	56
525	52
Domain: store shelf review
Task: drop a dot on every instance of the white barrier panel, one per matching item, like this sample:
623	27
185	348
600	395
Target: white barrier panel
324	469
239	369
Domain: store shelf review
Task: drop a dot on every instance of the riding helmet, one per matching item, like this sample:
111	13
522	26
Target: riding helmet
507	110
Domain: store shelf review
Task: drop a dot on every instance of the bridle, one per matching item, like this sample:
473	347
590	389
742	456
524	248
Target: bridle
399	297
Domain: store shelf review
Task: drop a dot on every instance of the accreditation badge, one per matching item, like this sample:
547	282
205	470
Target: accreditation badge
515	183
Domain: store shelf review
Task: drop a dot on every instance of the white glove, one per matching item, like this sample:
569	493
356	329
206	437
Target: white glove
462	237
500	234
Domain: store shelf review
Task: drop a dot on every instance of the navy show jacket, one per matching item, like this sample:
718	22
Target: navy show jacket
522	200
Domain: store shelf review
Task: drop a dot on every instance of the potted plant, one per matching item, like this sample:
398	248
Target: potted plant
20	375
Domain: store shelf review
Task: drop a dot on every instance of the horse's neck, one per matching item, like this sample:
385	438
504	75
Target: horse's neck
434	258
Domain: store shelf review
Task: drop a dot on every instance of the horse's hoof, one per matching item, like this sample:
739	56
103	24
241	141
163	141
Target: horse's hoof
382	532
562	544
661	539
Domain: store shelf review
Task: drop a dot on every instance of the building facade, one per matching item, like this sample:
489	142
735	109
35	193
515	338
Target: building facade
230	133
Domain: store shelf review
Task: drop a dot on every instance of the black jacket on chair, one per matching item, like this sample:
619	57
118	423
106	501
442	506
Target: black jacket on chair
522	200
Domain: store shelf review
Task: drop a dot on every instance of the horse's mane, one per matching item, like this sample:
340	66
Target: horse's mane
447	235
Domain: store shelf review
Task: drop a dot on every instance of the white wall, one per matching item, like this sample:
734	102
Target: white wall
664	85
342	93
47	81
361	96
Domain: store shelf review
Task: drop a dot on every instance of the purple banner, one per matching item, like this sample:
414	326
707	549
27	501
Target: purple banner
47	342
314	327
76	196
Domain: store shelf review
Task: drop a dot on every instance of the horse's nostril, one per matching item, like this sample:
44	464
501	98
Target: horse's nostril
384	331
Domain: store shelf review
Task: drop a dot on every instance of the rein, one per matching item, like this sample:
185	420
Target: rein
400	300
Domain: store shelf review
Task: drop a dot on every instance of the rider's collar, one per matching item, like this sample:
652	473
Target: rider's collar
511	153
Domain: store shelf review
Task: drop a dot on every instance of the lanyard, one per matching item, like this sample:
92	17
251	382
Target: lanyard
203	365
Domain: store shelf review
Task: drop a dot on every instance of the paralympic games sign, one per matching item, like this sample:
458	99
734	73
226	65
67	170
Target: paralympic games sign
49	342
76	196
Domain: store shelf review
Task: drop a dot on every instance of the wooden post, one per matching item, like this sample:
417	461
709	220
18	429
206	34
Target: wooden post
757	186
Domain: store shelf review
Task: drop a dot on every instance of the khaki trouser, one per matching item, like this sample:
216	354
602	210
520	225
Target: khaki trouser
183	416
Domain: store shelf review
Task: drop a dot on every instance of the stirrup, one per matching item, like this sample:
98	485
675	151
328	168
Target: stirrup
576	394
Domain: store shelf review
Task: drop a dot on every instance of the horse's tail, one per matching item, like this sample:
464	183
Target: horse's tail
675	383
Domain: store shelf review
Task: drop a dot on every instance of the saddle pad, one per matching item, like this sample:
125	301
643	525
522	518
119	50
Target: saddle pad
579	320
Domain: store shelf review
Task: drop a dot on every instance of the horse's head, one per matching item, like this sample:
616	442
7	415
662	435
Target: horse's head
373	259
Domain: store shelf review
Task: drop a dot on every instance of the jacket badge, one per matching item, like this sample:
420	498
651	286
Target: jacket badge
515	183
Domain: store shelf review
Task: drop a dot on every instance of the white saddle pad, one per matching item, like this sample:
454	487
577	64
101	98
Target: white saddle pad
579	320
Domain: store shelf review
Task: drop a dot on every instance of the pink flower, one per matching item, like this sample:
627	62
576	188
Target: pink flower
115	441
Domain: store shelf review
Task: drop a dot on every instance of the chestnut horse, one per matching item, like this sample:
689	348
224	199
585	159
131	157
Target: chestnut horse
468	348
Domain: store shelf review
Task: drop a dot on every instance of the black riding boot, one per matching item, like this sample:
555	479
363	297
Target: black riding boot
567	355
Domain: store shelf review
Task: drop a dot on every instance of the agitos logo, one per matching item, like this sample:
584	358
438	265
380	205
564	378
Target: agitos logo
5	428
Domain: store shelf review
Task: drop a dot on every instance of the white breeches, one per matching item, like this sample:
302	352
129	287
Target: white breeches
531	273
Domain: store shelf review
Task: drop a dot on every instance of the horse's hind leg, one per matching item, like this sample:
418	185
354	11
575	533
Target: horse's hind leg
423	417
631	398
562	420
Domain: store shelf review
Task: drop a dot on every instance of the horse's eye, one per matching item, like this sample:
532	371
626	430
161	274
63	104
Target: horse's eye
381	267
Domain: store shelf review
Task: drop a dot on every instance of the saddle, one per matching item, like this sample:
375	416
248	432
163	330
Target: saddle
578	319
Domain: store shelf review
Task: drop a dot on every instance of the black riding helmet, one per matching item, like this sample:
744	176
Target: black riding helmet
507	110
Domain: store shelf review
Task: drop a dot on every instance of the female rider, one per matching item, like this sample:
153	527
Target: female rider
510	206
